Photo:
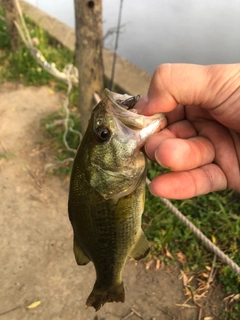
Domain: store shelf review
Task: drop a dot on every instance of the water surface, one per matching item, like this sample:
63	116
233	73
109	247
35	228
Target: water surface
158	31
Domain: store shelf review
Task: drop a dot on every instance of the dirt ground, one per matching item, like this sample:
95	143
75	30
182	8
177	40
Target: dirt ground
36	255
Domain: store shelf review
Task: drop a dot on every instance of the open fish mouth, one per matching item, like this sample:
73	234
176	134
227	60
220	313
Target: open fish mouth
122	107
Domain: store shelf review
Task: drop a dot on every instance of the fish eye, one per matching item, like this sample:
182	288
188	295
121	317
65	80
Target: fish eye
102	134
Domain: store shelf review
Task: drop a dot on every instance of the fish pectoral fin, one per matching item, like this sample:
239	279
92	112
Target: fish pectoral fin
141	247
80	257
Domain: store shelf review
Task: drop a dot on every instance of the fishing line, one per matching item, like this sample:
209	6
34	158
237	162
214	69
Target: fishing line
116	44
209	244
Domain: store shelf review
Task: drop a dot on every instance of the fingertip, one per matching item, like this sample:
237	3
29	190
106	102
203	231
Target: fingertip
156	139
189	184
157	187
151	146
153	190
165	154
169	186
147	106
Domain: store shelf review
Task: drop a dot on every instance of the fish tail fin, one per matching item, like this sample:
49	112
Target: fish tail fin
99	296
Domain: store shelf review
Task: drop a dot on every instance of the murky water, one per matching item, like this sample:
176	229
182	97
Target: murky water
158	31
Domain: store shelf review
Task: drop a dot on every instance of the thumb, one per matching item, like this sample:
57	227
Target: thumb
188	84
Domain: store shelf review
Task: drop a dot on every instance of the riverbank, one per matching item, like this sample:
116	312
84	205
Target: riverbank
128	77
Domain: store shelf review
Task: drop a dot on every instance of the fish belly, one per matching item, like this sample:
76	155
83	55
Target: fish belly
105	232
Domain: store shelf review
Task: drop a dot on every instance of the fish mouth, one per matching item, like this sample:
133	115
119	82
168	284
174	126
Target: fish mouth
122	107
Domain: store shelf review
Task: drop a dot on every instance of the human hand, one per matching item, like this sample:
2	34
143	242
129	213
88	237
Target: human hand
201	139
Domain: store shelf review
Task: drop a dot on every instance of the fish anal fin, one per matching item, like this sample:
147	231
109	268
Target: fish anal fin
99	296
141	247
80	257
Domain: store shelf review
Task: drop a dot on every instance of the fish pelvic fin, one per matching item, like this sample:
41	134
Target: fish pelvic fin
99	296
80	257
141	247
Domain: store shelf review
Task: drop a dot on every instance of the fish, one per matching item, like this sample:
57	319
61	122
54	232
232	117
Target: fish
107	193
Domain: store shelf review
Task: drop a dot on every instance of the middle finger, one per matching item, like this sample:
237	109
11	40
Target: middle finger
185	154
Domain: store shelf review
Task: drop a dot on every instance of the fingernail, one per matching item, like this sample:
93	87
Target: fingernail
152	190
141	104
145	98
160	162
157	159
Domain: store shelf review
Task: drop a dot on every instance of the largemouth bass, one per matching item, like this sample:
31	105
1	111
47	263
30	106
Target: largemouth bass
107	190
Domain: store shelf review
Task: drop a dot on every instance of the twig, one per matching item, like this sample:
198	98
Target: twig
194	300
212	273
133	311
32	197
112	31
136	313
35	178
128	315
3	145
23	21
35	152
148	264
200	313
184	305
51	166
167	312
8	311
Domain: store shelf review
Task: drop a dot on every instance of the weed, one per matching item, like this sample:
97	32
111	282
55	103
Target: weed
4	156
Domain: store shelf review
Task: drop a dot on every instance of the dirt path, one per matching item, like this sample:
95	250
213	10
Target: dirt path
36	237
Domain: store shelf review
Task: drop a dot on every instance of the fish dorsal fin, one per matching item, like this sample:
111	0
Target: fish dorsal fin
141	247
80	257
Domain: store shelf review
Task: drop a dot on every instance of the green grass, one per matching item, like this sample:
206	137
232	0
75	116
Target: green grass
21	66
215	214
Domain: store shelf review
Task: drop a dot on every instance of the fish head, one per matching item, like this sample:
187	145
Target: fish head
114	137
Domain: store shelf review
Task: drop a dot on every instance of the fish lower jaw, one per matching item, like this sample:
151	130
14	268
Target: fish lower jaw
150	129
